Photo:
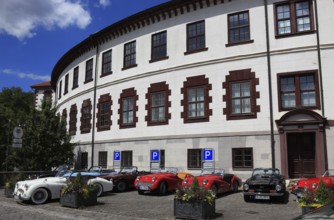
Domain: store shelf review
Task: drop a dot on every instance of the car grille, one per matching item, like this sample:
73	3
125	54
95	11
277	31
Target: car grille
262	188
144	184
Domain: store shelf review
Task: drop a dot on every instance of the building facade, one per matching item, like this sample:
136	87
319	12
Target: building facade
249	80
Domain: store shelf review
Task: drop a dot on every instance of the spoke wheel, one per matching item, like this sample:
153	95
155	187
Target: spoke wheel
163	189
99	188
122	186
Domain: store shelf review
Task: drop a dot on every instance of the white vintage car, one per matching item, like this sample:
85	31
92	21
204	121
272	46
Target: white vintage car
39	191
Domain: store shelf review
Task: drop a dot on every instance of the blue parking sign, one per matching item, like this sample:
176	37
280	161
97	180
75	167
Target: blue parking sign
207	154
155	155
117	155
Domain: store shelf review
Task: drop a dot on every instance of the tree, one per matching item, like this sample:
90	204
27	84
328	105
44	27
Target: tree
46	143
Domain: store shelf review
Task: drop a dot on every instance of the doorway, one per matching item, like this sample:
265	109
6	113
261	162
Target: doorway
301	154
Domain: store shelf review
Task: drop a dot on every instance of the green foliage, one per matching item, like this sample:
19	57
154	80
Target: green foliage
78	185
321	196
10	183
46	143
195	192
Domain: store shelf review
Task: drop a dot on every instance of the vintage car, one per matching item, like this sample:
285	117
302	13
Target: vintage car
312	183
265	184
92	171
125	178
160	182
215	180
39	191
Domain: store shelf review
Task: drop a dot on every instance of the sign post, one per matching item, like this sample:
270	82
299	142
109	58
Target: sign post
17	137
208	159
155	160
117	159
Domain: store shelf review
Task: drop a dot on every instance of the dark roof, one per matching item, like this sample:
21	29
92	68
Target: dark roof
131	23
42	85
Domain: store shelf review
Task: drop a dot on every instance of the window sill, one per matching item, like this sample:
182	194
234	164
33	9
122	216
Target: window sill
241	116
196	51
129	67
88	81
106	74
74	87
127	126
239	43
107	128
157	123
195	120
158	59
278	36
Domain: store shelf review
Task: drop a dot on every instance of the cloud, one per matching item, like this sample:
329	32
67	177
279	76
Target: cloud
21	18
22	75
105	3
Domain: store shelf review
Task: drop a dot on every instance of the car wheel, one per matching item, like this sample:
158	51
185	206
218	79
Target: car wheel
214	189
247	198
39	196
162	189
99	189
122	186
235	187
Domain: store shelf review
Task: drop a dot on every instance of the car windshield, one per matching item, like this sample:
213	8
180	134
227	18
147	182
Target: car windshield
95	169
128	170
213	171
62	170
171	170
265	172
329	173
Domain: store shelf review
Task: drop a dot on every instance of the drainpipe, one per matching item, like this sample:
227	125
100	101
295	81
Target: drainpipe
95	44
272	138
321	82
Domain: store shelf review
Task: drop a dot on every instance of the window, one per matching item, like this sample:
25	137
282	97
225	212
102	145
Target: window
84	160
126	158
59	88
240	100
158	104
48	96
103	159
66	84
242	157
238	28
104	113
89	71
106	63
64	117
128	108
194	158
241	95
86	116
294	17
299	90
196	99
73	120
130	55
159	46
196	37
162	159
75	77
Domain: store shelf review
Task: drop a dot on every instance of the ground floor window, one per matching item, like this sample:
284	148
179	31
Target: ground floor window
194	158
126	158
103	159
84	160
242	158
162	159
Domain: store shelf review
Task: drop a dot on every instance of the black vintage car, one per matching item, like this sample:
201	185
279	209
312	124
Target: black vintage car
265	184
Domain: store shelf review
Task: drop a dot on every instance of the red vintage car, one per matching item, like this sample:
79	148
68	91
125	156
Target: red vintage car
125	178
160	182
215	180
312	183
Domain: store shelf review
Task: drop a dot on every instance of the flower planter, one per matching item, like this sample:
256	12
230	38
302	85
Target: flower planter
307	209
9	192
76	200
197	209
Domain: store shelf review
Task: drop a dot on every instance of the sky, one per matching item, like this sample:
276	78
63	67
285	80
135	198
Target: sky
35	34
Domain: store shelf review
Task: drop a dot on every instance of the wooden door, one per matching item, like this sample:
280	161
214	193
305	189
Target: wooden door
301	154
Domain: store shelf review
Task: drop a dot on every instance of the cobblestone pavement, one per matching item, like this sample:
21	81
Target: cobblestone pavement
130	205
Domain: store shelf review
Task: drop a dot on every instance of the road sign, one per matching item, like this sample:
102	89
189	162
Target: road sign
18	132
117	155
207	155
155	155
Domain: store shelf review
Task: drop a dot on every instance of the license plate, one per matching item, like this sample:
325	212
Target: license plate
262	197
143	187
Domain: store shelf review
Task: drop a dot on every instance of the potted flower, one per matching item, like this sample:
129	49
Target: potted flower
194	202
311	200
77	192
10	184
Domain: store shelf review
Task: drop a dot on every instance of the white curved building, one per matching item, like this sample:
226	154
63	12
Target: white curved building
249	81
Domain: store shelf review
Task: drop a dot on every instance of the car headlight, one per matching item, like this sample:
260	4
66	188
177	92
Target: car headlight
138	178
314	185
154	179
26	187
278	188
246	187
185	180
205	181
